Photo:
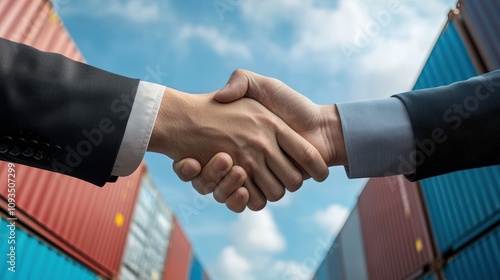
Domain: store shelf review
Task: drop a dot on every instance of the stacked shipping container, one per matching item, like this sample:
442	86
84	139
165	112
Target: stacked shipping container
91	225
35	259
449	227
149	235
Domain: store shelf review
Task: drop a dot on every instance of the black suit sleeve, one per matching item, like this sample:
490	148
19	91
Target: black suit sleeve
61	115
455	127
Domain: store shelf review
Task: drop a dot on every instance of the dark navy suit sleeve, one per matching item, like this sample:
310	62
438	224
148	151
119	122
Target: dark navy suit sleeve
61	115
455	127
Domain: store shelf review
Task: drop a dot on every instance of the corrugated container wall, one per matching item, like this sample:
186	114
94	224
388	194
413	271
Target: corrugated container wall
395	233
35	259
480	260
448	62
460	204
179	255
149	234
34	22
89	223
353	250
482	20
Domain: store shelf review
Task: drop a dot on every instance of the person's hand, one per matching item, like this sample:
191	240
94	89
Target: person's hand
198	127
320	125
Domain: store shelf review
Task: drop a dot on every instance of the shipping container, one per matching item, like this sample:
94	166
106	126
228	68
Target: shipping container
394	227
35	23
480	260
353	251
179	255
459	204
462	205
322	272
36	259
147	241
331	268
196	270
483	23
334	261
449	61
86	222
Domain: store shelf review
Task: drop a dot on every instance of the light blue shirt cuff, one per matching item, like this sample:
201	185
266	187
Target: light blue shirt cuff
378	138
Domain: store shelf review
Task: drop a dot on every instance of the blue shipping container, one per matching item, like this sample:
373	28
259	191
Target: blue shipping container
480	260
448	62
334	261
36	260
322	272
196	271
460	204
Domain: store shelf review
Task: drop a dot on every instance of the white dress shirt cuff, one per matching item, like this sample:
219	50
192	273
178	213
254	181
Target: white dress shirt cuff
378	138
139	128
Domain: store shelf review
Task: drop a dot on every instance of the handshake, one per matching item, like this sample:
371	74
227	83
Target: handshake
248	142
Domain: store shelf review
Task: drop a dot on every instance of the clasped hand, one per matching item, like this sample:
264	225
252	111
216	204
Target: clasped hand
251	149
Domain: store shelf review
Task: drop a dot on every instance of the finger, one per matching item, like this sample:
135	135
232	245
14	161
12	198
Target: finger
187	169
269	184
257	201
238	200
302	152
281	166
230	183
236	87
212	173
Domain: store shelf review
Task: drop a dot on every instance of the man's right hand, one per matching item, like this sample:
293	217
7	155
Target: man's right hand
320	125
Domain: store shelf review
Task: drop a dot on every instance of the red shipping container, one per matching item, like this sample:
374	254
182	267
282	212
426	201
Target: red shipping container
178	256
34	22
395	230
87	222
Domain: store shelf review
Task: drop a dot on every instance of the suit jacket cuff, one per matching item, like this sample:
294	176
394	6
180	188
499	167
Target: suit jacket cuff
378	138
139	128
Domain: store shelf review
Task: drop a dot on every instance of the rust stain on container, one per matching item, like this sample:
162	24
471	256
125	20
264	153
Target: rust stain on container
395	233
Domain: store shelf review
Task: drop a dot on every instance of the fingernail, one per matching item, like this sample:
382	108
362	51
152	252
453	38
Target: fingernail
187	170
219	165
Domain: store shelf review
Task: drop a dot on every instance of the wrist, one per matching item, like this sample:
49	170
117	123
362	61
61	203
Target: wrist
334	135
163	132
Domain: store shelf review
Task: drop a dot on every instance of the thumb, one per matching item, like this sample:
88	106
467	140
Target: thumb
236	88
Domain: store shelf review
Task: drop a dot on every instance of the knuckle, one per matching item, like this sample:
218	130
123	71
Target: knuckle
307	154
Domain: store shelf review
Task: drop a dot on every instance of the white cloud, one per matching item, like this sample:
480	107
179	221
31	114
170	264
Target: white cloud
232	265
389	44
257	232
220	43
331	219
289	270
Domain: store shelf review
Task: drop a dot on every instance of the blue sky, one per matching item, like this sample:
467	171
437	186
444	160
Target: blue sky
331	51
